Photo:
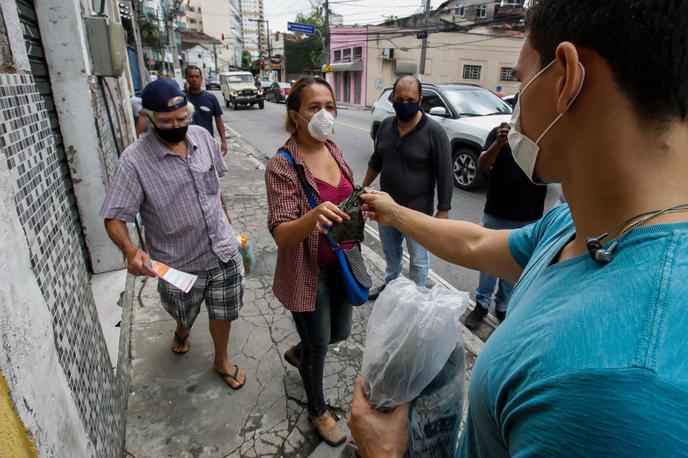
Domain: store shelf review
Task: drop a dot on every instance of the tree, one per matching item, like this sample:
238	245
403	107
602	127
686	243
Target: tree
246	60
310	49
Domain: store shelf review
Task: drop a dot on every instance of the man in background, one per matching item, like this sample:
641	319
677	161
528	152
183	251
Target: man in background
413	158
513	201
207	107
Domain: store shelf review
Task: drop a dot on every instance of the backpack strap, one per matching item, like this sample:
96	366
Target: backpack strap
307	189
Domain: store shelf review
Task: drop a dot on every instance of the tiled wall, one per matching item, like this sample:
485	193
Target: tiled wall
51	224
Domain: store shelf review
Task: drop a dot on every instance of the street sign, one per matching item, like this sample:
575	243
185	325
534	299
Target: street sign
297	27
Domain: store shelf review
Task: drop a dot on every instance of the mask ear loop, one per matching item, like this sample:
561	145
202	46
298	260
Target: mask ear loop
568	107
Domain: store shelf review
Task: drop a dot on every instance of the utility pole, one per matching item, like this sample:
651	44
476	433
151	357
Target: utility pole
267	22
326	38
217	70
171	36
424	46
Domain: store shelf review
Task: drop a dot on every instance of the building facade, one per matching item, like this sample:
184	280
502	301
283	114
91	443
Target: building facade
199	56
61	130
349	57
365	60
221	20
253	29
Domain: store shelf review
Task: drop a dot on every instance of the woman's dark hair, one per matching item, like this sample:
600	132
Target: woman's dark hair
296	97
645	43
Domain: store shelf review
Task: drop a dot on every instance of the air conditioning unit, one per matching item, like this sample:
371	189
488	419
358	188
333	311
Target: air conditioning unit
388	53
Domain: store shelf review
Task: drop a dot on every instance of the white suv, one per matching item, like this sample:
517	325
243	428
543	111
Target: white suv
466	112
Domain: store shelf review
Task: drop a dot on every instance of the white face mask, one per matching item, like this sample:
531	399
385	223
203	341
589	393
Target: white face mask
525	150
321	125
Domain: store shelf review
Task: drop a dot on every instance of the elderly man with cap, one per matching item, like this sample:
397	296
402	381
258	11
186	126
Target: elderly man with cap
172	177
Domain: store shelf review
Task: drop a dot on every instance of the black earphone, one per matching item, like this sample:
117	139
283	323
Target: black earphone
598	252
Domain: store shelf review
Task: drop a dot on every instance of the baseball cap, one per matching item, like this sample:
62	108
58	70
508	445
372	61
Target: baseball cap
163	95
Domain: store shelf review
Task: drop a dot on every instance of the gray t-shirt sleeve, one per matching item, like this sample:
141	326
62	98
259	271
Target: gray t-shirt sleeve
125	195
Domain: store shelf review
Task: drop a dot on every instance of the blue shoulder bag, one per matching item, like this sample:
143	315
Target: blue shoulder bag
354	276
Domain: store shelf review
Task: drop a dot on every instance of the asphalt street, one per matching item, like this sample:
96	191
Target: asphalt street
263	129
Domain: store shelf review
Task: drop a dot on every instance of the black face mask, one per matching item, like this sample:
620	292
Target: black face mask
406	110
174	135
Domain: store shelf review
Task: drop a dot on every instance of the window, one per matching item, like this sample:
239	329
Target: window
472	72
506	74
192	9
192	21
358	53
460	10
481	11
346	55
431	100
338	55
200	56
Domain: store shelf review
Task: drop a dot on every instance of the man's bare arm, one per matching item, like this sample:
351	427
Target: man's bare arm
138	261
221	131
370	176
459	242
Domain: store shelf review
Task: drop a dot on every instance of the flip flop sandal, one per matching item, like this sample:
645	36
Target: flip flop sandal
176	340
333	436
290	357
233	377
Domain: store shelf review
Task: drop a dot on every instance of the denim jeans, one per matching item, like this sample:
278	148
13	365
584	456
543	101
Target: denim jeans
329	323
485	292
392	245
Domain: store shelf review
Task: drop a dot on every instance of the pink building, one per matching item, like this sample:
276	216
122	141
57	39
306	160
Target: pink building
348	55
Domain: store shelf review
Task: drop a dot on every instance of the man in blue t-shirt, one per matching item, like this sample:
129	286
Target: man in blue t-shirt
208	109
592	358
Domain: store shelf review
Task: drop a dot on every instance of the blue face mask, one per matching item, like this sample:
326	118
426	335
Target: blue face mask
406	110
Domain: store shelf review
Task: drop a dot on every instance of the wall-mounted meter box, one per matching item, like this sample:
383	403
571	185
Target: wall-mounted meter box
107	45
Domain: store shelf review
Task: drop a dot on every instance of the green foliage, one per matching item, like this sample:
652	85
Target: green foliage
314	18
246	60
150	33
306	54
303	55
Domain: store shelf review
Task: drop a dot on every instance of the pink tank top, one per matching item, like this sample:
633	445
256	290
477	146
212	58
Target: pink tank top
336	195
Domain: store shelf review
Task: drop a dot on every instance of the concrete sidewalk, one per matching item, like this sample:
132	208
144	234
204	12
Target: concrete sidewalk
178	406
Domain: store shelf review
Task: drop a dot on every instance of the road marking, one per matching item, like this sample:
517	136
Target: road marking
351	126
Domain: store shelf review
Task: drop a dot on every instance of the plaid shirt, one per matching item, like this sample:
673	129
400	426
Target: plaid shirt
296	274
179	200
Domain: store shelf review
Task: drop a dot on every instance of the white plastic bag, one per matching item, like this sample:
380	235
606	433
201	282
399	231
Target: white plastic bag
414	352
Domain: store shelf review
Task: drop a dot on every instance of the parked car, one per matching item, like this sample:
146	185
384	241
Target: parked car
239	89
265	84
511	99
278	92
466	112
212	82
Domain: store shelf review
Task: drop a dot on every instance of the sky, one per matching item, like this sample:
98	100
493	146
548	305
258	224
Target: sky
279	12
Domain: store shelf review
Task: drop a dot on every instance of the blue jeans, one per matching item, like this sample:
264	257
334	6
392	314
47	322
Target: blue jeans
485	292
329	323
392	245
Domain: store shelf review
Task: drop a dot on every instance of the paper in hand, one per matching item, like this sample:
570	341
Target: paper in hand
181	280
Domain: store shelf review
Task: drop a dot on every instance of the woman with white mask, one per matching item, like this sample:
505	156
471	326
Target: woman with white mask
305	279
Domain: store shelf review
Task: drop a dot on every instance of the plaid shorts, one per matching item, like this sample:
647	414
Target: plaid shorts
222	288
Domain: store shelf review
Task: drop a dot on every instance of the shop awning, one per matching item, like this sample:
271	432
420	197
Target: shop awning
344	67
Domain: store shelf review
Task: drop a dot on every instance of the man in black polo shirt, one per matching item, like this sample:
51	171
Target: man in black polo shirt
412	156
206	104
513	201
